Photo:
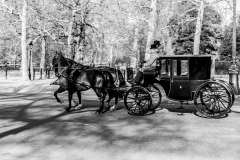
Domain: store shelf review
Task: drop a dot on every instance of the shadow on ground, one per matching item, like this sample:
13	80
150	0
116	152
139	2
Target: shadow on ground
34	124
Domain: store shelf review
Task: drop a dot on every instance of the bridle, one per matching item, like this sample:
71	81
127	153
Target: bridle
61	73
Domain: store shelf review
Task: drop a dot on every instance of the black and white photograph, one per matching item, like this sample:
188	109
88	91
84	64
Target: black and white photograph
119	79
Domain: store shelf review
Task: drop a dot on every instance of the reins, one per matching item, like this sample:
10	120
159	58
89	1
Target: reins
71	68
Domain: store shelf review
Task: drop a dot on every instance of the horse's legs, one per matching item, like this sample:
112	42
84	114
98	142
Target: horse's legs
79	106
101	95
70	94
115	94
110	97
111	94
59	90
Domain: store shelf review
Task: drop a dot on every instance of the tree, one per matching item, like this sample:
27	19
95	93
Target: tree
23	18
183	30
151	27
226	43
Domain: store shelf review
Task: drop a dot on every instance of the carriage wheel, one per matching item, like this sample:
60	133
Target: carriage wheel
138	100
230	89
156	96
212	100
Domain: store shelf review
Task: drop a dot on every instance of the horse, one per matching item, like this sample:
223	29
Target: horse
117	76
83	80
78	105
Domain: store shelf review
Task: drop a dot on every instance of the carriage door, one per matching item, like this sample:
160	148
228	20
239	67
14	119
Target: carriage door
180	85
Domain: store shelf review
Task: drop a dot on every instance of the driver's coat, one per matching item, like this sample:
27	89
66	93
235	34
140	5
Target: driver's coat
151	61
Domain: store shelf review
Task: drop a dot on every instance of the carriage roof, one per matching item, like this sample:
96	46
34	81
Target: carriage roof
194	65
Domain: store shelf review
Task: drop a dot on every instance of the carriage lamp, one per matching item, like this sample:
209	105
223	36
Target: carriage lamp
233	70
233	76
30	68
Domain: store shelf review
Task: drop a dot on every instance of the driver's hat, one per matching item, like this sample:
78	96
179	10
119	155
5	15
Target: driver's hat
153	46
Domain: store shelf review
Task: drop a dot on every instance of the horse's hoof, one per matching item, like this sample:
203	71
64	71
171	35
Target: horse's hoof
67	109
105	110
61	102
78	107
98	112
113	108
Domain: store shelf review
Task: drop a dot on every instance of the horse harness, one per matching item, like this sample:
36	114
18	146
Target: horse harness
84	85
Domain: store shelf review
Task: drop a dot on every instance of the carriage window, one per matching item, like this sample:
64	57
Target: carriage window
165	71
180	68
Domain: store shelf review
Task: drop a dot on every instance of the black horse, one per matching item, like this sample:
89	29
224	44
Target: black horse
56	64
83	79
119	81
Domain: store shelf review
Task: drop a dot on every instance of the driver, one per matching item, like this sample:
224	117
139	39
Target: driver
150	63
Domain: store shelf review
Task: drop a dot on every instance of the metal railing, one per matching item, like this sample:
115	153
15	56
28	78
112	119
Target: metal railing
10	71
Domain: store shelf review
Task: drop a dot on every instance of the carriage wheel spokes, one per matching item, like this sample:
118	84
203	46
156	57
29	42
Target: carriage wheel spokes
156	96
213	100
138	100
229	87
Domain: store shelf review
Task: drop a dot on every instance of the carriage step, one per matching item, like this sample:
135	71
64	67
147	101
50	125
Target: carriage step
181	107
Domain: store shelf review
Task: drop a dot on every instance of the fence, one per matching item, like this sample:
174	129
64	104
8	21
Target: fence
47	73
14	71
11	72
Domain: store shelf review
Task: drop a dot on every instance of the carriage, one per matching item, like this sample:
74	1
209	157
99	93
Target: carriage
183	78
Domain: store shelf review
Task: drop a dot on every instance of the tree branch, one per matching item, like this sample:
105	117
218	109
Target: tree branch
79	9
8	9
67	6
59	20
188	11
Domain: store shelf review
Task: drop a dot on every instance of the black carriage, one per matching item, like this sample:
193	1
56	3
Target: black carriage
183	78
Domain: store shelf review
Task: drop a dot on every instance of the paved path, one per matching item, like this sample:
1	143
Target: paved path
33	126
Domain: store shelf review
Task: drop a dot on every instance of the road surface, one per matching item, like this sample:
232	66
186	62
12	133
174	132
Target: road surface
33	126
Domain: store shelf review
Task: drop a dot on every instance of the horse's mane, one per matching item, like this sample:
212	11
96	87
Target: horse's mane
76	64
69	61
72	62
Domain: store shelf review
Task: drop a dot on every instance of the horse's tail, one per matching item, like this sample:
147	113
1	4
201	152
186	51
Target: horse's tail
109	82
122	82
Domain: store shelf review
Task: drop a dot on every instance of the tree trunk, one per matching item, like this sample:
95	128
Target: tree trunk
134	58
111	54
96	57
42	62
169	50
198	29
234	42
151	27
23	42
100	50
169	47
76	49
70	37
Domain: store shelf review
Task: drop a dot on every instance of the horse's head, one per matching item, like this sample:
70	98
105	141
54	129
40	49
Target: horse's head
55	62
56	59
59	62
